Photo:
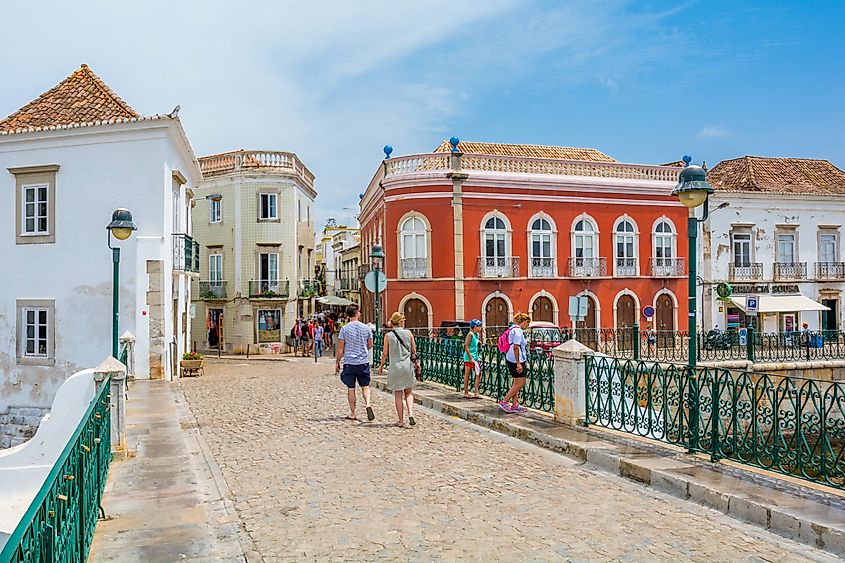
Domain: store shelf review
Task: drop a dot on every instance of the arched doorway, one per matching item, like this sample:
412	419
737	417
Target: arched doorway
416	315
496	313
664	321
625	316
587	330
542	310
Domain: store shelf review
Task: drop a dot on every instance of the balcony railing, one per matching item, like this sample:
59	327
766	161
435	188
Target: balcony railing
214	289
271	289
588	267
790	271
748	272
627	267
667	267
830	270
266	162
498	266
308	288
414	268
543	268
186	253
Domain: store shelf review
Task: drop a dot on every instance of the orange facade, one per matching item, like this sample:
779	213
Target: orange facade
527	244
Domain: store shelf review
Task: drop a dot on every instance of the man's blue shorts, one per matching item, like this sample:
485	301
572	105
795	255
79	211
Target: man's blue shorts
355	372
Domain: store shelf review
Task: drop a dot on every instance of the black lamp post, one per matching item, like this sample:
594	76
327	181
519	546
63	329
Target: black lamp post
377	255
121	228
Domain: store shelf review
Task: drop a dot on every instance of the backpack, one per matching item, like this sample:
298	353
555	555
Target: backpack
504	343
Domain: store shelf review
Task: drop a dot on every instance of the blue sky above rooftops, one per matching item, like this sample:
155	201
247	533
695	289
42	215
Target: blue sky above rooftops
643	81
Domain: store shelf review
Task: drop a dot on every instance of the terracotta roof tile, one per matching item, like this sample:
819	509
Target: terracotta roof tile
531	151
757	174
81	98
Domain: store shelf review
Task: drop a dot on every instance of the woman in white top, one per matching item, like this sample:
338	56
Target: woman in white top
399	345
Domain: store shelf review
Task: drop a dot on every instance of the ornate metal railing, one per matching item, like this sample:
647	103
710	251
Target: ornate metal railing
442	362
498	266
788	425
830	270
214	289
626	267
749	272
542	268
667	267
278	289
790	271
59	523
414	268
588	267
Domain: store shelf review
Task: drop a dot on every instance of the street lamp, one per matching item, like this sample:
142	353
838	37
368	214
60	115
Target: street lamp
121	228
377	255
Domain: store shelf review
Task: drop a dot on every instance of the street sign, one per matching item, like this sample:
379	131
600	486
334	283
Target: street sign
648	311
578	308
743	336
752	304
370	281
724	290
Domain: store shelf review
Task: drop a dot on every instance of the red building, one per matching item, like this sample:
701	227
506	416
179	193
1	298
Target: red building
487	230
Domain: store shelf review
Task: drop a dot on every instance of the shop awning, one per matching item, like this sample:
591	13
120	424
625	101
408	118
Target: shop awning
782	304
334	300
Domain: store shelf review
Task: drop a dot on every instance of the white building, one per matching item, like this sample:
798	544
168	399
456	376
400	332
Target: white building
335	240
68	159
780	238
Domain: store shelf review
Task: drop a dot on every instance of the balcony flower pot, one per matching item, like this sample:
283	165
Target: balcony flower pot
191	364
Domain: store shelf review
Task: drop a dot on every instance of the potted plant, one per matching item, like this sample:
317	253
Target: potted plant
192	363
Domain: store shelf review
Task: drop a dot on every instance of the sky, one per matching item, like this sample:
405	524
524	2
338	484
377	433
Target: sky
643	81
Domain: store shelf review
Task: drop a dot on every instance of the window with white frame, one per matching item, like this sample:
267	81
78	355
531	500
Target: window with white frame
268	271
741	244
215	268
828	246
542	245
626	248
786	247
175	211
268	207
413	248
215	210
495	238
664	242
35	210
35	331
585	241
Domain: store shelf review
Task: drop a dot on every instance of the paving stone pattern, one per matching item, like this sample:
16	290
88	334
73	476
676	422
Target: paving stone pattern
310	485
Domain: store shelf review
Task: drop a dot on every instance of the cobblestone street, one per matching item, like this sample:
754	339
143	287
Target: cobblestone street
308	484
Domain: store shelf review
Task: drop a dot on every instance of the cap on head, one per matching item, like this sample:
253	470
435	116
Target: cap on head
474	323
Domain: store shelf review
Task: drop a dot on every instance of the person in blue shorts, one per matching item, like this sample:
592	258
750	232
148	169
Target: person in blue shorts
353	345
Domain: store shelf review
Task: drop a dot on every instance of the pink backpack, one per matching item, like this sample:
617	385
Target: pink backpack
503	343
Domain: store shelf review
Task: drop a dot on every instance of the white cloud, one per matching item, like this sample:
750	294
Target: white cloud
713	131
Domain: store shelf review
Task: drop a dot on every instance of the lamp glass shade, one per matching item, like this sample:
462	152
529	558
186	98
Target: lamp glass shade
377	252
121	233
692	198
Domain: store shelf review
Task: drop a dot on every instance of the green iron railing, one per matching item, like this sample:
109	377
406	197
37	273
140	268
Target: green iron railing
789	425
442	361
59	524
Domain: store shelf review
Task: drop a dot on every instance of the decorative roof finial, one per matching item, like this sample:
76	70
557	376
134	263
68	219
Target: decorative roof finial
454	142
687	159
387	150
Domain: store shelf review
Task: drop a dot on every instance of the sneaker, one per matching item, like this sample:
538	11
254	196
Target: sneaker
519	409
505	406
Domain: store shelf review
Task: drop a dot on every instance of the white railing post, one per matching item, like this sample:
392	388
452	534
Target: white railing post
112	368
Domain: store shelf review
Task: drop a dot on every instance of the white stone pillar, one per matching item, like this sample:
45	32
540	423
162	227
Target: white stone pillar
570	384
128	340
111	367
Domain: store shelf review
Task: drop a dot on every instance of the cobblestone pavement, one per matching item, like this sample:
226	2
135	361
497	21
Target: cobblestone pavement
310	485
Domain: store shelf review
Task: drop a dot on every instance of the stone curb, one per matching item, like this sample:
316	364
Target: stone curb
812	517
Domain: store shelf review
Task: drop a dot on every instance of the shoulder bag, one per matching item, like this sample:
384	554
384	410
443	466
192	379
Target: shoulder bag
414	358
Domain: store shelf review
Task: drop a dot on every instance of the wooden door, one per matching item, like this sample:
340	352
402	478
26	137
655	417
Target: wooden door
496	313
542	310
416	315
625	316
587	330
664	322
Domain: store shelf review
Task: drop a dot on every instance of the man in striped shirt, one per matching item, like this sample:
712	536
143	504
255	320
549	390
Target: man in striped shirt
353	344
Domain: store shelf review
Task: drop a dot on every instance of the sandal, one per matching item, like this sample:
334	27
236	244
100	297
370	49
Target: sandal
351	417
411	421
370	414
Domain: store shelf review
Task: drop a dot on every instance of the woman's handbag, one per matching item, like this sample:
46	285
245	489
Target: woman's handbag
414	359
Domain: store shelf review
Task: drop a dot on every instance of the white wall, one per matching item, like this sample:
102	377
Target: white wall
101	169
766	212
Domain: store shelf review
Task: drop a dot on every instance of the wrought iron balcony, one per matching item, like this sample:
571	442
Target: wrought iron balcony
271	289
308	288
588	267
498	266
626	267
830	270
543	268
749	272
667	267
214	289
186	253
790	271
414	268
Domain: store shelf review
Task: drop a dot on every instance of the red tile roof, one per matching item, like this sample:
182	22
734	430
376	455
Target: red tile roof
531	151
757	174
81	98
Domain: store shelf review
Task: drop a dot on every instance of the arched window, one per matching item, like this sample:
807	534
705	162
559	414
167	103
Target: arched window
542	249
413	248
496	262
585	261
664	262
626	248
